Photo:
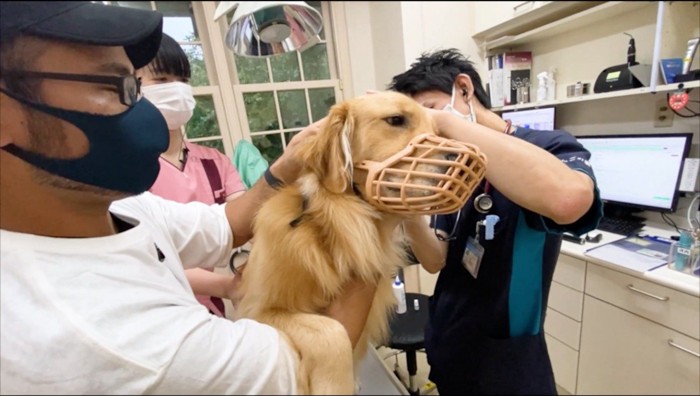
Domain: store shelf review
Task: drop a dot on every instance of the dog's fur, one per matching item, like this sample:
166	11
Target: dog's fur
313	236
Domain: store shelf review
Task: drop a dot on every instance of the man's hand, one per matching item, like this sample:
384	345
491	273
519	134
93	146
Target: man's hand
288	165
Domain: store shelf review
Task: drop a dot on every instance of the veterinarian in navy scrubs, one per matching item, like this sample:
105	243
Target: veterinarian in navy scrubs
496	256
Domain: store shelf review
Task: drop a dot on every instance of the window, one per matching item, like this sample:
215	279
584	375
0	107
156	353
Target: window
280	95
263	100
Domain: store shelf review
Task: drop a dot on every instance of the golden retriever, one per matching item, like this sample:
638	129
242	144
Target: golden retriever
314	235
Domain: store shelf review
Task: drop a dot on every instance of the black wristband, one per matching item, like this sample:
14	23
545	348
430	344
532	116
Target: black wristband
272	181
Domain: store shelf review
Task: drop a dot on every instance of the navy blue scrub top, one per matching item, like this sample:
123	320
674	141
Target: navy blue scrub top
488	330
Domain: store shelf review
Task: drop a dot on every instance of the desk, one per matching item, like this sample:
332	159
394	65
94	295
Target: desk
663	275
614	330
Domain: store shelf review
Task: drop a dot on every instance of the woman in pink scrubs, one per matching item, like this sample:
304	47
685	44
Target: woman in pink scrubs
188	171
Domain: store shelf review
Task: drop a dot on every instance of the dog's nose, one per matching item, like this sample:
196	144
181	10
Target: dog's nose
451	157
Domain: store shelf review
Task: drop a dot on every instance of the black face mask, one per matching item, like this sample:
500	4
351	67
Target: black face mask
124	148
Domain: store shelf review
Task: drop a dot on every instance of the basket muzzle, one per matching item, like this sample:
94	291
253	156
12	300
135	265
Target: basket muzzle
432	175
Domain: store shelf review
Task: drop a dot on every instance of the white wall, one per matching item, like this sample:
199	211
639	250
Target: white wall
385	37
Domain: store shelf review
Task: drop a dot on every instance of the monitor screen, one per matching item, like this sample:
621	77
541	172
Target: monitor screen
540	119
641	171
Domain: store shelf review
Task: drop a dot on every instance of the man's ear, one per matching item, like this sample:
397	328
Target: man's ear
465	86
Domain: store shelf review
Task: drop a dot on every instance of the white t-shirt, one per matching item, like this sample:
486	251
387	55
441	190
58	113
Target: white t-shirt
105	315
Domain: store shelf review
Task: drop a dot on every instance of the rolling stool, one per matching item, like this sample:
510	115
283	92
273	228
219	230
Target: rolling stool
407	334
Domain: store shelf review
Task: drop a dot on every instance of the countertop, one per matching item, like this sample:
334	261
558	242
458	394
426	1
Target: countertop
662	275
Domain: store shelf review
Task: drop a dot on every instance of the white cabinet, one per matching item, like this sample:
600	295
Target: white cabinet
622	353
609	332
492	13
562	324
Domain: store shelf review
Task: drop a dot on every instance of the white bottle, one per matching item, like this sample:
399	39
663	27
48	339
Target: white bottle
551	85
542	86
400	294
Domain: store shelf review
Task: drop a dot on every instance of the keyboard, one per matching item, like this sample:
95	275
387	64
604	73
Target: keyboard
620	226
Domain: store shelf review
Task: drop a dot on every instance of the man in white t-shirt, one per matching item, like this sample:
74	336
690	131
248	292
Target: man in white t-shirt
93	293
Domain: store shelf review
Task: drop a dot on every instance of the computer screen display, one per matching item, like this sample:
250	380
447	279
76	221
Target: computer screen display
641	171
540	119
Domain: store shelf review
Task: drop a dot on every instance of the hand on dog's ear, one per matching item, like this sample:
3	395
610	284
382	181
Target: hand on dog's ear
292	156
328	154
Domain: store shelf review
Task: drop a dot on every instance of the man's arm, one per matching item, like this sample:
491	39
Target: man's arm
430	252
528	175
241	210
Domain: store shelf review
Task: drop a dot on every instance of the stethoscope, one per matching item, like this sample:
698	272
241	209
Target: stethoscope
483	203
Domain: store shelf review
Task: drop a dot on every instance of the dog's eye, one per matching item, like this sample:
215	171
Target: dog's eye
396	120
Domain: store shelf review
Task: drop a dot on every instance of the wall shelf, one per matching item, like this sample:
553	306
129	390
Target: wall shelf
598	96
581	19
546	13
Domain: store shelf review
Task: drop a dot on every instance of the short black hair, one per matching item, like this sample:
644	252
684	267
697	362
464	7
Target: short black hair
438	71
170	59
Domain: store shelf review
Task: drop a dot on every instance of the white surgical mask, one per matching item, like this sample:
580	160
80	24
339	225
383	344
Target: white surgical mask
471	117
174	100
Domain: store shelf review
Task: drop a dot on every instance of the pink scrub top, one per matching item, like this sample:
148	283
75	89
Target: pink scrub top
192	184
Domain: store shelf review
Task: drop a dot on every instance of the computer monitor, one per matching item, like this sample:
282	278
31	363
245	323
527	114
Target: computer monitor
640	171
540	119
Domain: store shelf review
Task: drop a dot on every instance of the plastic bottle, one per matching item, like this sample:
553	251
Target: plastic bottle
542	86
551	85
695	270
400	294
685	243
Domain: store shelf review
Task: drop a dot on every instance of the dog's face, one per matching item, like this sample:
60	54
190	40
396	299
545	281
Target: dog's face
369	128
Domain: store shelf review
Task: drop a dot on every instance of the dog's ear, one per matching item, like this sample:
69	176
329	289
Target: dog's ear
329	156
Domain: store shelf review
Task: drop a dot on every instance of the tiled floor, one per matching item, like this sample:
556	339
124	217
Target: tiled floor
390	359
426	387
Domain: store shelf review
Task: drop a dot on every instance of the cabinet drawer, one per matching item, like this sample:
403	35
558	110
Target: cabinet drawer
564	363
563	328
661	304
625	354
570	272
566	300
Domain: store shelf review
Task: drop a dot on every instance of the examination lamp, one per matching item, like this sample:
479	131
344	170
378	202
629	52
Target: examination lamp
266	28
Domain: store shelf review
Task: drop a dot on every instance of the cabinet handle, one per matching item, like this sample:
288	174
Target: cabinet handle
523	4
634	289
684	349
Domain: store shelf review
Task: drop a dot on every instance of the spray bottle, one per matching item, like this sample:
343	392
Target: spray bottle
542	86
551	84
400	294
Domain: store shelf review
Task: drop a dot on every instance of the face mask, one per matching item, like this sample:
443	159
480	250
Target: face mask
451	108
174	100
124	148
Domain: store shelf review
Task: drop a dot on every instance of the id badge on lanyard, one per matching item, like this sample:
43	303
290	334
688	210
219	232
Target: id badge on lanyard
474	252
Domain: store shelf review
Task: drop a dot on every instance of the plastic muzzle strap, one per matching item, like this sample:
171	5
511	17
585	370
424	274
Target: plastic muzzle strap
432	175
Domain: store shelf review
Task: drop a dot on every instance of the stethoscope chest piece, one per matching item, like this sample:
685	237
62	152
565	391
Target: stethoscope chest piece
483	203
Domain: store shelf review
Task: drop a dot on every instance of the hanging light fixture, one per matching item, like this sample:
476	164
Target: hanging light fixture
266	28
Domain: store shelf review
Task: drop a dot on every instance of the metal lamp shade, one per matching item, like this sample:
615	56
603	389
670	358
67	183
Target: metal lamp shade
267	28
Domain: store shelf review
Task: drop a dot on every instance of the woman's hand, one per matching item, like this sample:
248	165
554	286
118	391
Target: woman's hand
235	290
